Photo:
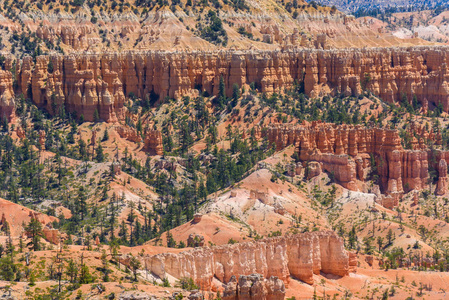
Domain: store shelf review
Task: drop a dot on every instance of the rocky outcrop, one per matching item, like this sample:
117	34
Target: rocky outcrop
88	82
197	218
196	295
128	133
135	295
51	234
7	101
153	142
313	169
441	188
299	256
195	240
16	216
75	36
349	153
87	85
254	287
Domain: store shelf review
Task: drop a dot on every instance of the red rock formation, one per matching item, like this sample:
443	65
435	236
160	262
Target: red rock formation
299	255
82	84
279	208
254	287
128	133
116	168
353	262
42	137
93	139
345	151
313	169
195	240
197	218
87	82
441	188
52	235
259	195
75	36
153	142
7	102
389	201
16	215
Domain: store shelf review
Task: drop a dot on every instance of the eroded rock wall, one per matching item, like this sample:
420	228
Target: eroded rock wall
89	82
254	287
351	152
299	255
7	101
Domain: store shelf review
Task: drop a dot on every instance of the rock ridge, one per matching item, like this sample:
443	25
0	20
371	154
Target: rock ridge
300	256
87	82
350	152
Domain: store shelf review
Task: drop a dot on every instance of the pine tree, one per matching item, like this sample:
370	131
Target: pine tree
105	268
81	202
4	124
390	237
105	136
82	149
34	230
85	276
138	233
96	116
100	154
135	264
352	238
123	233
139	126
380	242
235	94
171	243
222	93
72	270
7	268
222	88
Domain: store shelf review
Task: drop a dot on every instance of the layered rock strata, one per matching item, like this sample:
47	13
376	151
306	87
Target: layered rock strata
254	287
129	133
350	153
88	82
299	256
441	188
153	142
7	99
85	85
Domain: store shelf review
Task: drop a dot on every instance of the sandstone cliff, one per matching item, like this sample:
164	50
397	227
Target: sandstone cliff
7	101
254	287
88	82
299	256
153	142
350	153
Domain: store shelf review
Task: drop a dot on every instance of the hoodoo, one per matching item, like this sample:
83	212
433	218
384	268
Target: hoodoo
88	82
348	152
299	256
